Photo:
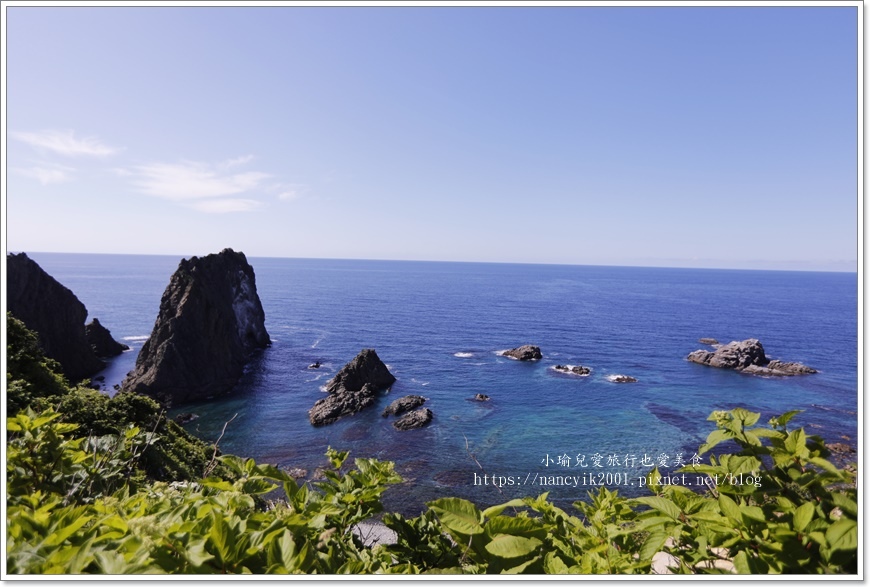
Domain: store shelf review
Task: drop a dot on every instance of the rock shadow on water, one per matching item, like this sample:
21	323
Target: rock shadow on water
453	478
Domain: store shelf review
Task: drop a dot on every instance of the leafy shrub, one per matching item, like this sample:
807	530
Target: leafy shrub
62	517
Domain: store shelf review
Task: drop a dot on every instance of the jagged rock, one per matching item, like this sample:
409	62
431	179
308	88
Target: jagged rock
352	389
54	313
210	322
101	340
182	419
622	379
710	341
841	448
481	397
748	357
343	402
404	404
415	419
575	369
314	365
526	352
366	367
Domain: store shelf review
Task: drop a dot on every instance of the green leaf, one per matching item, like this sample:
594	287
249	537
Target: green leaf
509	546
554	565
661	504
653	544
802	516
741	563
497	509
796	442
458	515
842	535
730	509
528	527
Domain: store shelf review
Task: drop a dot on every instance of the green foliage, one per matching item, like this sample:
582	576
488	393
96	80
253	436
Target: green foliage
66	520
79	501
30	374
34	381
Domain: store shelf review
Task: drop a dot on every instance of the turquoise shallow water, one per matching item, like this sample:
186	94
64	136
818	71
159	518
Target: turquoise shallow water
439	326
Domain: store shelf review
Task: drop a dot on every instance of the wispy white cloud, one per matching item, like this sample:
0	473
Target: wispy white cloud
287	191
64	142
238	161
46	174
224	205
200	186
191	180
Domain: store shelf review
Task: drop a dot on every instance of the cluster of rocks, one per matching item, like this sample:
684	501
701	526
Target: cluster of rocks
573	369
747	356
533	353
58	317
352	389
356	386
412	418
210	323
622	379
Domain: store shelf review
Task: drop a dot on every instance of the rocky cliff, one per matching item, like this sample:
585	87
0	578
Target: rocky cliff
210	322
54	313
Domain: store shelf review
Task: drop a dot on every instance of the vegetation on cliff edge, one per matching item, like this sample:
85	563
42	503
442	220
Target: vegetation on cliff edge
91	489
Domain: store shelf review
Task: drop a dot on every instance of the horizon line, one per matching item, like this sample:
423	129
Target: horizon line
562	264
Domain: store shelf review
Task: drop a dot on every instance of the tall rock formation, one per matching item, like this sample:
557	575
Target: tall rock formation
210	321
54	313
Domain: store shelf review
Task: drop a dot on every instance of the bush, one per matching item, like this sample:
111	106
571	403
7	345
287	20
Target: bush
76	509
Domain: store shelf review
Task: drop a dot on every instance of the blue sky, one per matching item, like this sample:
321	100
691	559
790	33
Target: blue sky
688	137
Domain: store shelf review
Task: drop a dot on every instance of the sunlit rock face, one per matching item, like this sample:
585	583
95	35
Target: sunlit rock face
210	322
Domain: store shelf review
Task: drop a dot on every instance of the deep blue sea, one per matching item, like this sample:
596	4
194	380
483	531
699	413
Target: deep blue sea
439	327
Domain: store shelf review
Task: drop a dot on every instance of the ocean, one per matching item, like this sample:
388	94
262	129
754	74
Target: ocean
439	327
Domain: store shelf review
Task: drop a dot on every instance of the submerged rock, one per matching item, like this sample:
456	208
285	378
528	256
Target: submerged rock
403	404
54	313
210	322
353	388
341	403
747	356
622	379
366	367
415	419
101	340
526	352
575	369
182	419
480	397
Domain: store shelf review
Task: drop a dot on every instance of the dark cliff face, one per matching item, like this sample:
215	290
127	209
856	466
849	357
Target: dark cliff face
54	313
101	340
210	321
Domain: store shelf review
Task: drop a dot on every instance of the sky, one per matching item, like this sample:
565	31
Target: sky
652	136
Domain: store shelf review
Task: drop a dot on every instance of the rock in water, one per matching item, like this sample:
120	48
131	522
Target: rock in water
526	352
403	404
415	419
54	313
101	340
353	388
341	403
748	357
366	367
210	321
708	341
